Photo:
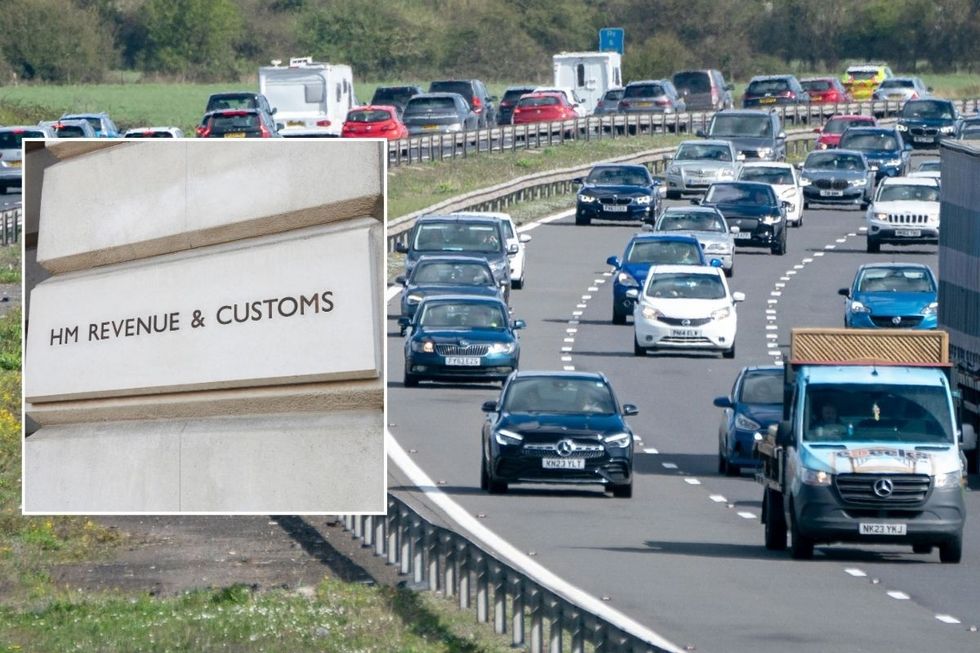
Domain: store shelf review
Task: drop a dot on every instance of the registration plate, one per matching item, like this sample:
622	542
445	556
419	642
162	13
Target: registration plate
922	139
767	100
615	208
235	135
563	463
296	123
644	104
430	127
743	235
463	361
13	164
908	233
874	528
831	193
685	333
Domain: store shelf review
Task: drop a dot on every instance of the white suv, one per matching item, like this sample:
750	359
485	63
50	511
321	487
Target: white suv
904	211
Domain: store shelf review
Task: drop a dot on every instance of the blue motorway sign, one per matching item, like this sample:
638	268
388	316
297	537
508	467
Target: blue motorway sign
611	39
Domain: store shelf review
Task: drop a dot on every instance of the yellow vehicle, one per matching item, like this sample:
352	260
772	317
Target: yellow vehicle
862	79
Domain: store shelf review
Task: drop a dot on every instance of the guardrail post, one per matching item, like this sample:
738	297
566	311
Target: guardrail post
482	590
392	534
368	531
380	539
517	612
405	535
555	625
449	577
577	628
537	621
418	551
432	546
499	599
463	555
597	635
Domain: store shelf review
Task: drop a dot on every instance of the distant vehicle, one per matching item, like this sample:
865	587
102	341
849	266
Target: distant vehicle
446	274
154	132
706	224
505	108
863	79
905	211
923	123
704	90
886	152
238	123
685	307
374	121
900	89
609	103
70	128
395	96
968	128
931	168
101	123
543	107
588	74
516	250
755	134
651	96
754	208
784	180
837	177
831	132
460	338
616	192
311	98
571	96
891	296
754	404
476	95
971	133
826	90
768	90
697	164
11	140
557	427
238	100
439	113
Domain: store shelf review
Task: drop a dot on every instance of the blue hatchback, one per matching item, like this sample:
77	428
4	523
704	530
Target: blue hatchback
642	251
756	402
883	147
460	338
891	295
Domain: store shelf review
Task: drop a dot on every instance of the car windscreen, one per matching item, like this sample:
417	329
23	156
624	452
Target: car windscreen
838	125
455	273
393	95
741	125
463	88
767	175
862	141
545	101
930	166
896	280
462	315
929	109
665	252
430	105
877	413
368	115
833	161
686	285
817	85
95	121
971	134
231	102
730	193
862	74
767	86
11	140
692	221
762	388
699	151
692	82
458	237
643	90
908	193
558	395
617	177
896	83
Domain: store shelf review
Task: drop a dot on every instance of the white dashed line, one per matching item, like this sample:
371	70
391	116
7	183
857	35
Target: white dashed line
771	345
581	306
575	314
772	301
571	330
606	274
774	352
841	240
746	515
593	289
586	297
784	278
772	336
862	229
651	450
771	327
851	235
780	285
669	465
792	272
566	359
805	261
947	619
797	267
569	340
825	247
566	349
717	498
776	293
569	368
857	573
692	481
770	311
898	596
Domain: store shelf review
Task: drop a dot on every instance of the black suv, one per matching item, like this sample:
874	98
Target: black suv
395	96
238	123
237	100
766	90
505	110
475	94
756	134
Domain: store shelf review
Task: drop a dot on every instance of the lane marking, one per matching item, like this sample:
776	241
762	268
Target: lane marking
669	465
606	274
718	498
572	322
898	596
772	301
857	573
774	352
746	515
571	330
566	359
569	340
841	240
593	289
792	272
770	311
772	336
576	314
581	306
947	619
779	284
776	293
569	368
586	297
771	344
862	229
566	349
805	261
825	247
650	450
692	481
852	234
798	267
600	281
771	327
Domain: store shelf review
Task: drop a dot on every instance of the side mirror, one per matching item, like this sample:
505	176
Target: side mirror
513	248
738	296
701	133
633	293
715	263
784	434
489	407
273	112
401	248
519	324
844	292
578	180
280	126
696	200
404	321
524	238
613	261
734	229
781	136
723	402
799	165
817	130
968	436
785	204
401	280
929	88
740	156
630	409
493	98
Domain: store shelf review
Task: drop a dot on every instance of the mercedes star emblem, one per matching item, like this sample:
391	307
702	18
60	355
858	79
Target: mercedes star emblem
883	487
564	448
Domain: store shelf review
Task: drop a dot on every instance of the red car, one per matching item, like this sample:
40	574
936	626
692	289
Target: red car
826	90
374	121
831	132
543	107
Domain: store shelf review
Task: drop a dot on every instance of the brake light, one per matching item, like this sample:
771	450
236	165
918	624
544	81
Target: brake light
204	132
234	113
663	102
387	128
322	123
624	104
914	96
264	131
18	131
477	103
787	94
148	132
505	103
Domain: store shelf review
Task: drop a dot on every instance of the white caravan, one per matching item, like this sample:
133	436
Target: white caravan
311	98
589	74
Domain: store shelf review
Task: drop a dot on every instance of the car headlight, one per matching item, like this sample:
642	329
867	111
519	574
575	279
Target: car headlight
947	129
858	307
585	198
746	424
813	477
881	216
893	162
804	181
952	479
626	279
930	309
716	248
414	298
721	313
902	128
618	440
505	437
643	199
771	219
674	170
651	313
765	151
499	266
503	348
727	172
425	346
857	182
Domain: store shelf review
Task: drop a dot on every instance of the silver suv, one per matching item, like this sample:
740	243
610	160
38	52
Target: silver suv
10	153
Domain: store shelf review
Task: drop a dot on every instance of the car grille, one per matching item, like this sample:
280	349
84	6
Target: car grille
904	321
924	131
615	200
908	489
579	449
751	154
680	340
836	184
684	321
907	218
462	350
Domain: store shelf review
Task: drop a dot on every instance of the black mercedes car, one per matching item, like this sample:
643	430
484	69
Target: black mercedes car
752	207
617	192
557	427
837	177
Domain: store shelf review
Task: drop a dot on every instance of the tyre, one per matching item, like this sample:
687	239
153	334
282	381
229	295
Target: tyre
517	284
410	380
722	463
730	272
799	223
618	317
729	353
951	552
779	248
924	549
732	470
801	546
673	195
623	491
637	349
581	219
484	476
772	509
973	461
873	246
806	205
864	206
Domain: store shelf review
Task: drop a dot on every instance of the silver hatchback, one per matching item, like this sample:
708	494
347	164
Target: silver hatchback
11	173
706	224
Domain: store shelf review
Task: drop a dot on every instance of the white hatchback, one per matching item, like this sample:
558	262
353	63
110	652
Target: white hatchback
784	179
518	261
685	307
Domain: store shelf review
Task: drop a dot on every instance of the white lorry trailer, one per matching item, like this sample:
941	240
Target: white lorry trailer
312	98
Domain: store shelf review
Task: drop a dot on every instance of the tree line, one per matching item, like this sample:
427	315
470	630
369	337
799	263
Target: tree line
69	41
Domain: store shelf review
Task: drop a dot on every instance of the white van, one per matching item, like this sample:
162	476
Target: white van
589	74
311	98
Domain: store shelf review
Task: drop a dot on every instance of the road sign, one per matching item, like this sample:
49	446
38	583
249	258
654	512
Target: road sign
611	39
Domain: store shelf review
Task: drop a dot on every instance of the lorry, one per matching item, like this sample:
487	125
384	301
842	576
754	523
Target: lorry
588	74
868	450
311	98
959	278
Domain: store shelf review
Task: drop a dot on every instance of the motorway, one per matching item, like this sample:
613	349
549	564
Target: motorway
685	555
8	200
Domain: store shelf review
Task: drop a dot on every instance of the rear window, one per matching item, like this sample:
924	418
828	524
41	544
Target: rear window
456	273
818	85
150	134
70	131
463	88
897	83
234	102
12	140
538	102
421	105
368	115
618	177
463	314
644	90
234	122
862	74
513	95
614	95
457	237
393	95
693	82
833	161
763	86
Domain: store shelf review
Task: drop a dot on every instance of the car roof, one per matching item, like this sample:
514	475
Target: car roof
628	166
485	214
751	184
76	116
520	87
436	94
230	94
780	165
644	236
373	107
561	374
698	269
893	265
461	298
852	116
761	78
646	81
872	130
136	130
14	128
707	141
744	112
762	368
909	181
454	217
691	209
555	94
818	79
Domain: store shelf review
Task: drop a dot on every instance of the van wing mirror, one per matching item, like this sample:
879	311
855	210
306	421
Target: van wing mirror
784	434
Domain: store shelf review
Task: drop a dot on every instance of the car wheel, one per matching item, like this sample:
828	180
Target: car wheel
673	195
623	491
729	353
410	380
484	476
923	549
637	349
864	206
973	461
722	462
730	272
799	223
779	248
618	317
581	219
951	552
772	510
517	284
801	546
806	205
873	246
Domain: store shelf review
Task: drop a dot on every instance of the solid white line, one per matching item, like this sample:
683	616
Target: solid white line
857	573
947	619
669	465
746	515
898	596
392	292
650	450
547	220
717	498
692	481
